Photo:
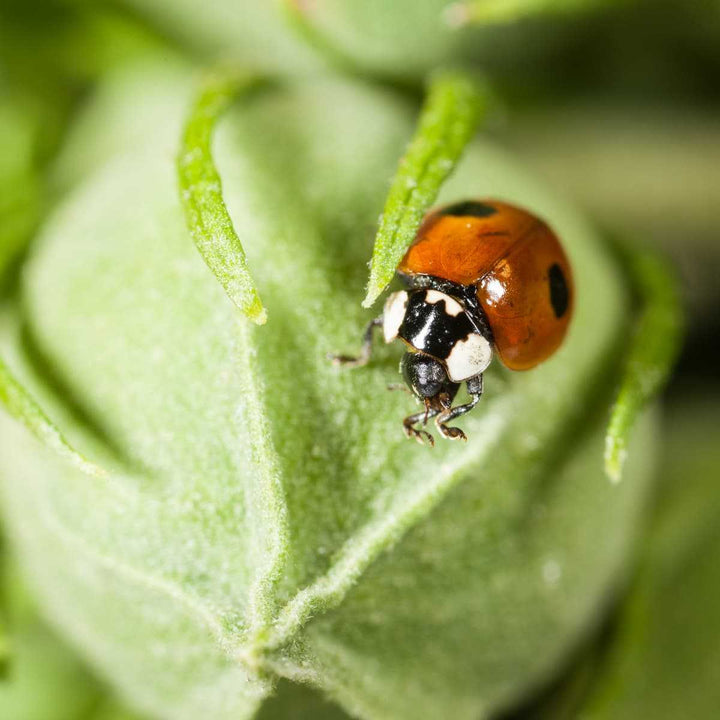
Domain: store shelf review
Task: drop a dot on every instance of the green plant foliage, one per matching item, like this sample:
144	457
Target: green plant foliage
664	657
19	200
504	11
402	40
20	404
449	118
251	33
268	519
158	86
652	350
44	680
201	193
19	186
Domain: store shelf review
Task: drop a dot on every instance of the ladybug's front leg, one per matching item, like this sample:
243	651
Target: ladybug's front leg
422	436
475	390
365	350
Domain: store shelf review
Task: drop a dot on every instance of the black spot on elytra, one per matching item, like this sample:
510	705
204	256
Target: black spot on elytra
559	292
469	208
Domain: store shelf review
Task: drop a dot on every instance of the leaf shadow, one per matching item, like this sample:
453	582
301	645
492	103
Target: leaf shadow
65	391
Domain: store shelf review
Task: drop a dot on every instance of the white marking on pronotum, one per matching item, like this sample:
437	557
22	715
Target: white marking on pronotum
452	306
418	340
393	314
469	357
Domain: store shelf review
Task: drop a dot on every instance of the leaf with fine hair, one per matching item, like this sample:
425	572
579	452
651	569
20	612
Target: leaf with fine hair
18	213
201	192
450	115
19	403
282	529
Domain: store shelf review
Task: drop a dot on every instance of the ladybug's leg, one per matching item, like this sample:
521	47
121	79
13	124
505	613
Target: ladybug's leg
475	390
365	350
399	386
422	436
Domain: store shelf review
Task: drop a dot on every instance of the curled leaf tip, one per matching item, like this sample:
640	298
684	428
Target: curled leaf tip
206	213
453	107
256	312
652	352
260	318
615	455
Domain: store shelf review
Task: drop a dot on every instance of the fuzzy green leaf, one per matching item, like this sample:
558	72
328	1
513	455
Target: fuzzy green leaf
453	108
653	349
282	527
18	209
201	193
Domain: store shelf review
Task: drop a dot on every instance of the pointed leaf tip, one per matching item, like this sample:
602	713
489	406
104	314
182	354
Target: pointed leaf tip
206	214
652	351
20	404
453	108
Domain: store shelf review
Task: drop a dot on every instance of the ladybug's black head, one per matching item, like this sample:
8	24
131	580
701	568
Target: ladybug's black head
425	376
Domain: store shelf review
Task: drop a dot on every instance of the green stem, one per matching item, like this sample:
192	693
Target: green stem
206	214
453	108
653	349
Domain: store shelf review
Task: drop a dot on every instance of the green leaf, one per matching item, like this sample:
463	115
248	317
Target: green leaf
663	658
652	351
247	32
45	681
19	186
18	214
20	404
297	19
453	108
282	528
201	193
477	12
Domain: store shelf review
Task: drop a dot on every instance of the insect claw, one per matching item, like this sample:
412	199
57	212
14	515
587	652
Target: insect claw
421	436
453	433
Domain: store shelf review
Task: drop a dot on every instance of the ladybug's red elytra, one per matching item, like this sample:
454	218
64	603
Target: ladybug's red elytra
481	276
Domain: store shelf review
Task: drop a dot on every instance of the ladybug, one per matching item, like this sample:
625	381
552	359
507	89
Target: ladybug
481	277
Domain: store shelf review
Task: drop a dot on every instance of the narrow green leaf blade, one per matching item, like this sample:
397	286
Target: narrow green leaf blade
201	195
662	658
453	108
652	351
22	406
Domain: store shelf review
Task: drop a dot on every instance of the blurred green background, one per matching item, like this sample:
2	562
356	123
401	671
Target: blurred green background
616	105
